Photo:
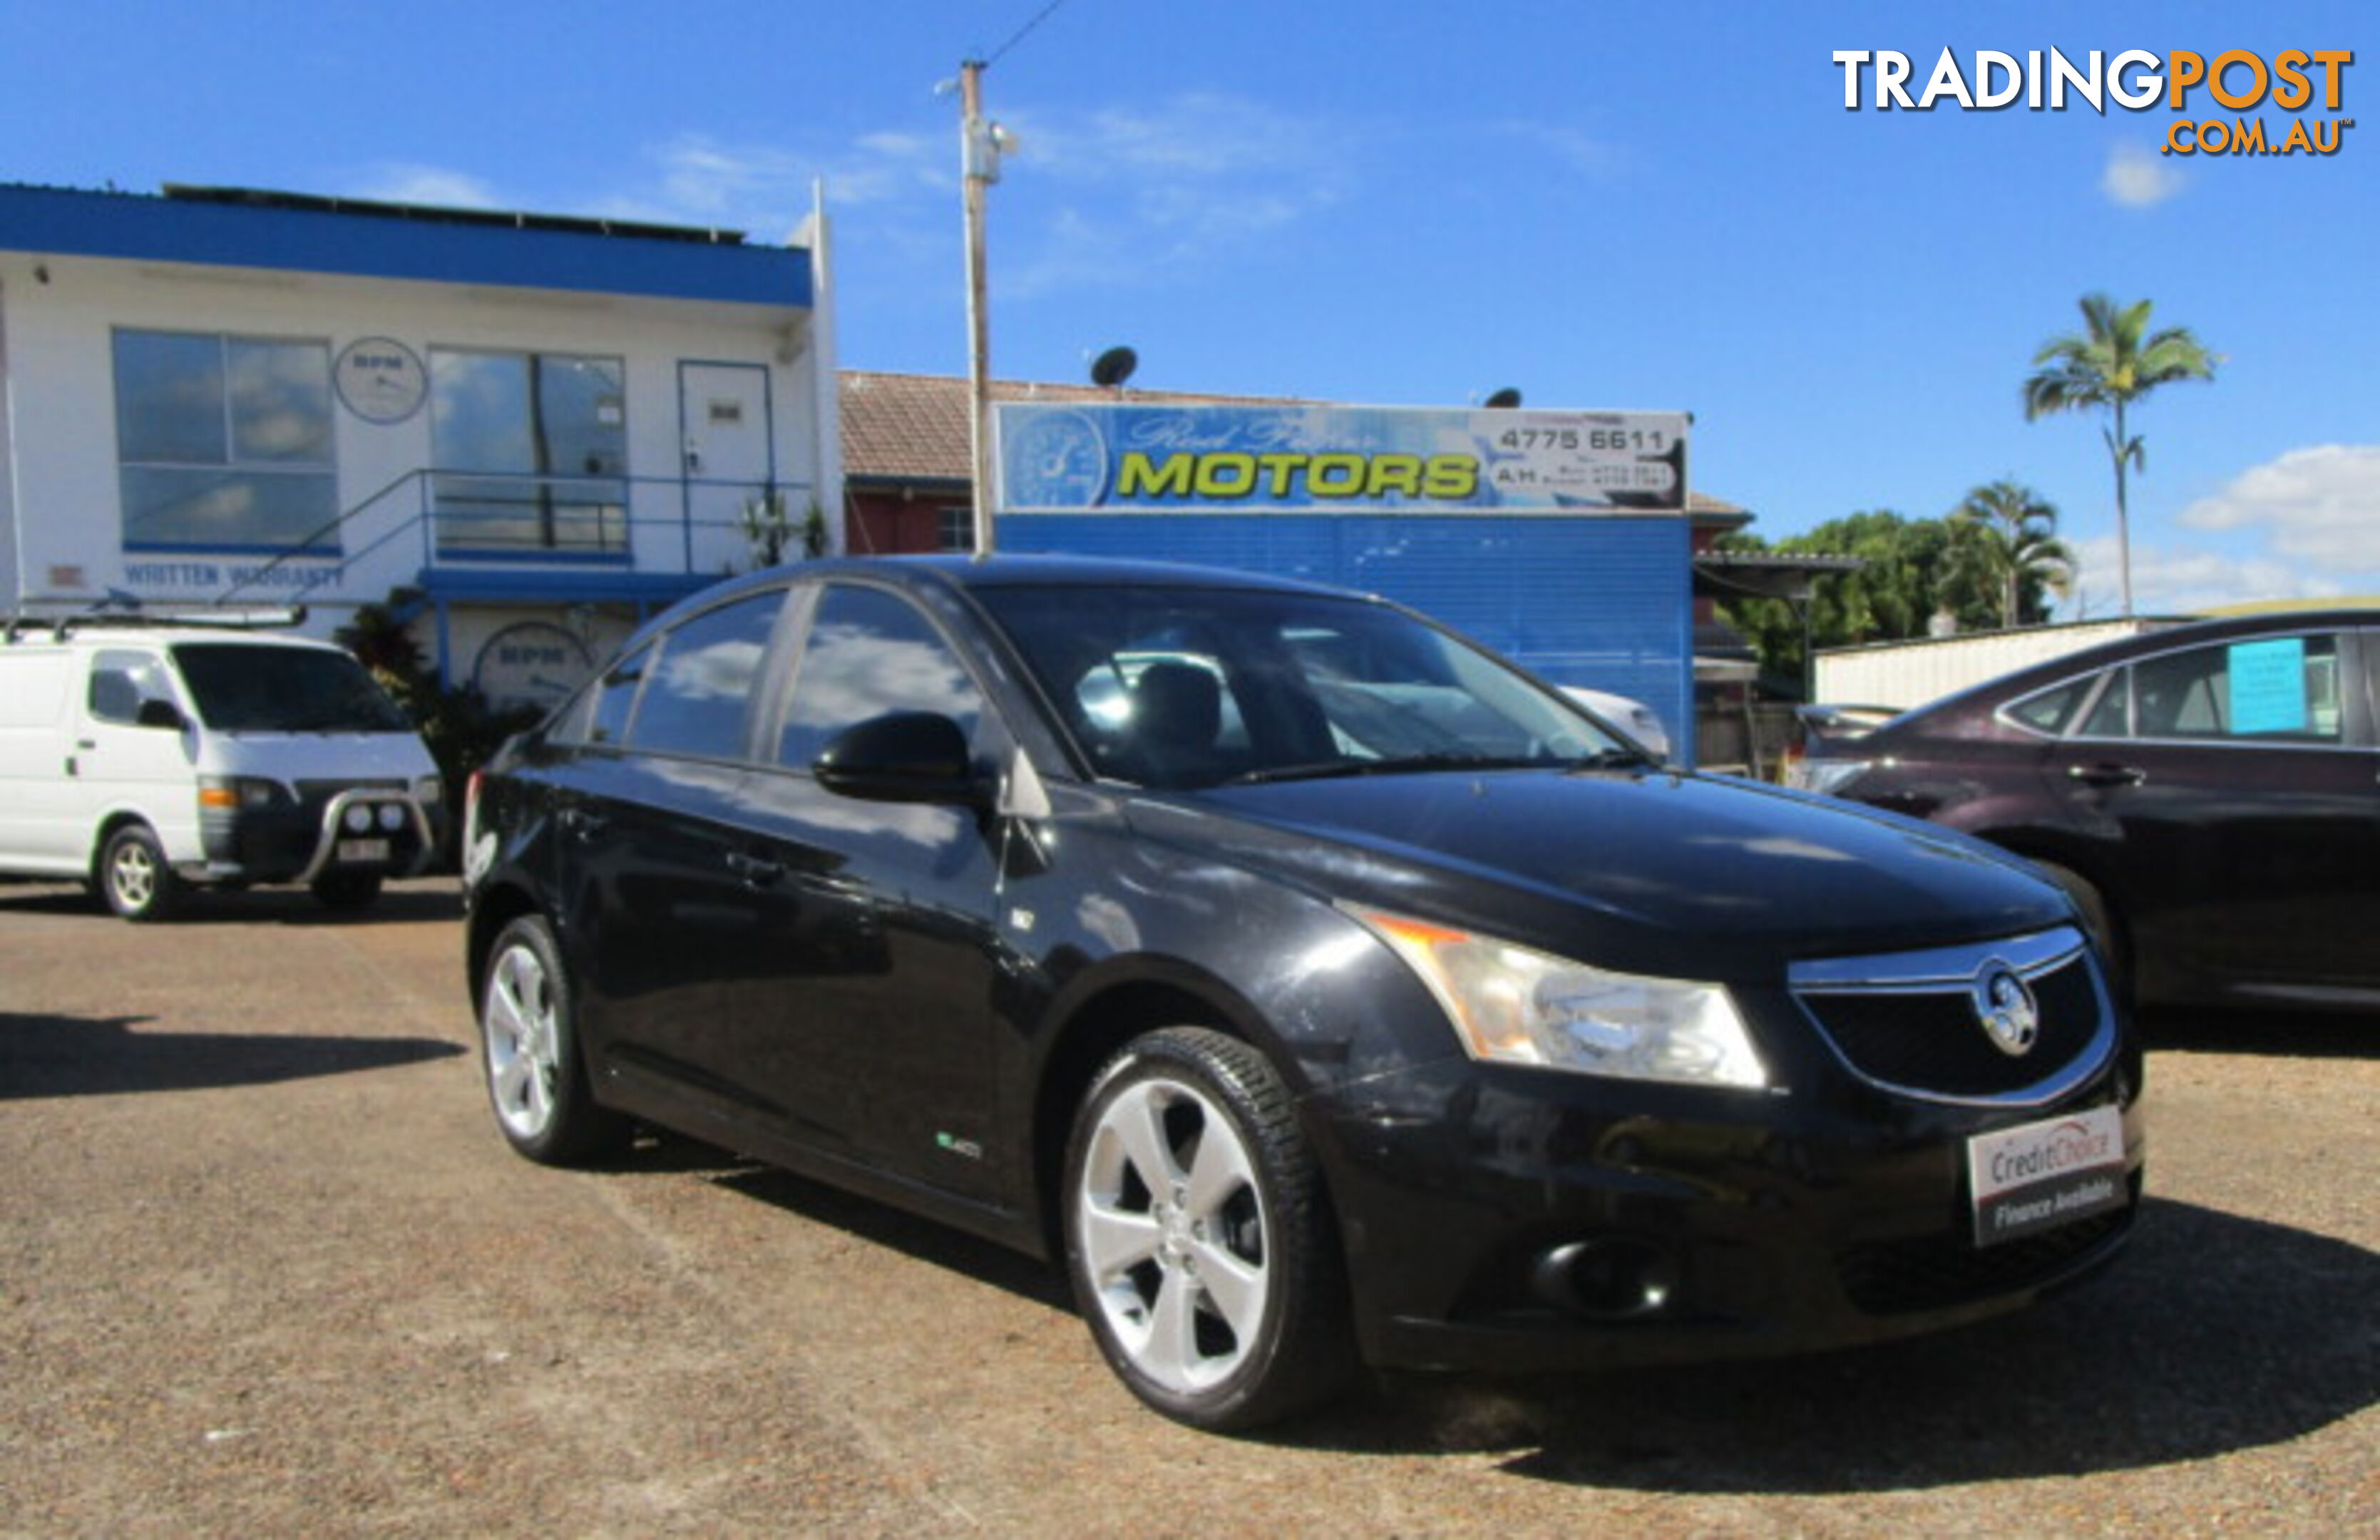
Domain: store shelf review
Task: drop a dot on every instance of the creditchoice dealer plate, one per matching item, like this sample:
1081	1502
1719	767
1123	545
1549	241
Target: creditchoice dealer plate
2042	1175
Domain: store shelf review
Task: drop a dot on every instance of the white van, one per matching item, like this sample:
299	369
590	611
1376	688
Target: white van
147	757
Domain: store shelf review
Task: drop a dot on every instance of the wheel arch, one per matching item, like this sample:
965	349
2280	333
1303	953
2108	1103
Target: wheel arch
492	908
110	822
1091	1031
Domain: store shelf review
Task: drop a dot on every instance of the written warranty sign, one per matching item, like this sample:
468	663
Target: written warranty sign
1141	458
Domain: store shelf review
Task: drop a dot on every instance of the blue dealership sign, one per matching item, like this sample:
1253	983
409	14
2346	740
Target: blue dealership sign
1056	458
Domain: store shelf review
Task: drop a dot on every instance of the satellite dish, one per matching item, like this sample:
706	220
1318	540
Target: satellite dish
1114	367
1509	396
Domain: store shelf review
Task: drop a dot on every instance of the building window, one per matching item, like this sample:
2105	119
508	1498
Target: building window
956	530
224	443
532	451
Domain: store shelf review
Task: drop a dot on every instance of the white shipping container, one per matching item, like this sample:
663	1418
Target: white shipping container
1910	674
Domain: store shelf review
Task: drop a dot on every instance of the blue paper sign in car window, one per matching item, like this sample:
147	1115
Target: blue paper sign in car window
2268	685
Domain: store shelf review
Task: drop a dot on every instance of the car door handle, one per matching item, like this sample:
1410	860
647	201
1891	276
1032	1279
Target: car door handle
756	871
582	824
2106	774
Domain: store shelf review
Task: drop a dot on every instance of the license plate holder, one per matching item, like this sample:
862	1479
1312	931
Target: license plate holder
2040	1175
353	850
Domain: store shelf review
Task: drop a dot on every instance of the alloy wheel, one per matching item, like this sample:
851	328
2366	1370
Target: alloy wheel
1172	1229
518	1022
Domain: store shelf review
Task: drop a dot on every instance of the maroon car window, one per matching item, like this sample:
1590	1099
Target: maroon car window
2269	689
2047	712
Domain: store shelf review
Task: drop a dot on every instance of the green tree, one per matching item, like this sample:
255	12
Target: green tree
1889	598
2005	558
2115	361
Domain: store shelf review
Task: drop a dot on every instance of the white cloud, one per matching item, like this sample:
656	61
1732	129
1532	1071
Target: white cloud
2182	580
2138	178
1199	138
2317	503
1597	160
433	186
1133	194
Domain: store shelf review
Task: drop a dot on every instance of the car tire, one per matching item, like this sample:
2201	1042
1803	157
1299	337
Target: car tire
134	877
346	891
2099	922
528	1044
1198	1236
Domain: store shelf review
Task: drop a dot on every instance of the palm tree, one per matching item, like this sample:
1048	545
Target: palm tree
2005	551
2115	361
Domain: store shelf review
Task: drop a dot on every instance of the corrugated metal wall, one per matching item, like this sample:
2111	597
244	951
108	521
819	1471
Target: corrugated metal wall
1605	601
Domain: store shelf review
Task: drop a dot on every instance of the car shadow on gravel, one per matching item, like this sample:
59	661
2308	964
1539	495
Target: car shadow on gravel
935	1245
93	1056
2216	1334
423	900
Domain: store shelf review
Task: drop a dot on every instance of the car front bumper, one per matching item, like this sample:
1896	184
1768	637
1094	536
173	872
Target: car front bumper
1514	1219
366	829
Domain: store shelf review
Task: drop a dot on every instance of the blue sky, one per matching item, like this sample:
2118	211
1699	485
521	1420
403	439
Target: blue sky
1646	206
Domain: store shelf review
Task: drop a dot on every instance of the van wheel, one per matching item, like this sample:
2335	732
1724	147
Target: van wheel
528	1039
135	877
346	890
1199	1238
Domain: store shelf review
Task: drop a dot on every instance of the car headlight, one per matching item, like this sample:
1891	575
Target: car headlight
1828	777
1511	1004
426	789
225	794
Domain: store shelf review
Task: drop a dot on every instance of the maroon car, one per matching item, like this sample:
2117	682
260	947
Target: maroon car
2210	793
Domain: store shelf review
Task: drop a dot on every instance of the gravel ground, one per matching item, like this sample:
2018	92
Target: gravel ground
266	1268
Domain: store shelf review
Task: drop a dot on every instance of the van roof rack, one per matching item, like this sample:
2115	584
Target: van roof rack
134	618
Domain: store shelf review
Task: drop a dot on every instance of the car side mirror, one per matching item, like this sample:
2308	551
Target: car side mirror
903	757
159	713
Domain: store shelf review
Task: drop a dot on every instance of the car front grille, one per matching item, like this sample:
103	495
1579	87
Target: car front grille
315	795
1911	1023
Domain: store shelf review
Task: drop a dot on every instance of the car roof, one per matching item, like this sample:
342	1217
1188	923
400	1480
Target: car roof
80	633
1990	692
968	574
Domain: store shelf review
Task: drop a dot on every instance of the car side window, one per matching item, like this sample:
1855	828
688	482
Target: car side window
2047	712
122	681
614	698
2272	689
700	683
869	653
2111	715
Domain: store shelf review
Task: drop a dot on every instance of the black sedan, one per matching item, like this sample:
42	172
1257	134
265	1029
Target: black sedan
1320	987
2210	793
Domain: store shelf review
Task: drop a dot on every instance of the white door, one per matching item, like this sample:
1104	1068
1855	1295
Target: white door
42	825
730	459
122	764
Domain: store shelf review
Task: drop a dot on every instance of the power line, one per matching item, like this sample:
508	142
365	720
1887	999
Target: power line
1021	32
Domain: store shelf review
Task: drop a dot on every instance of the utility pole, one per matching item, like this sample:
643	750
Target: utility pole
980	147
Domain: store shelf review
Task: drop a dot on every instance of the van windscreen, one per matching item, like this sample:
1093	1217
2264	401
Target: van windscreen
245	688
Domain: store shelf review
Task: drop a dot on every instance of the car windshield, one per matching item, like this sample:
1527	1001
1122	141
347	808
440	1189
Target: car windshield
1172	686
247	688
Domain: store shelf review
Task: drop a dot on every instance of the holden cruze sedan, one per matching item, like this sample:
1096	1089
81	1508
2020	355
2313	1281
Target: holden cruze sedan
1320	989
2209	793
